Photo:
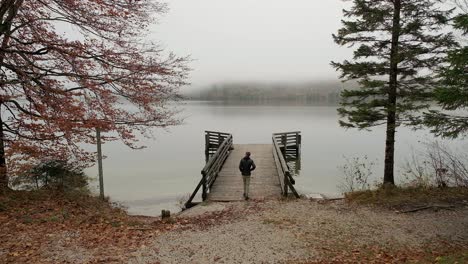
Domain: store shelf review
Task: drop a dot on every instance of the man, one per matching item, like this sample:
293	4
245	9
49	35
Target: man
246	166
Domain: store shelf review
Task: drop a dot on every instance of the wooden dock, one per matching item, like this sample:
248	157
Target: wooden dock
222	181
264	181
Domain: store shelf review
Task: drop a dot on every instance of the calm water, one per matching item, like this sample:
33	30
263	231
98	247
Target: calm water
157	177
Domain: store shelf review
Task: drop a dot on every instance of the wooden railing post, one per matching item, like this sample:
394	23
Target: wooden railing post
207	144
223	142
299	143
285	178
285	192
204	189
284	140
189	203
296	143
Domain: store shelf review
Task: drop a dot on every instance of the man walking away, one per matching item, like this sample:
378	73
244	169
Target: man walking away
246	166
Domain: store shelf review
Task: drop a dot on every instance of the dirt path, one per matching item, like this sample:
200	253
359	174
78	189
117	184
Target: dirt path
282	232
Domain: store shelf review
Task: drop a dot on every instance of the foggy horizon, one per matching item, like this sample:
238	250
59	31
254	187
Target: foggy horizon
266	84
253	41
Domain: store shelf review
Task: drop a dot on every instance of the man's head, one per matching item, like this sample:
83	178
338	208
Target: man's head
247	154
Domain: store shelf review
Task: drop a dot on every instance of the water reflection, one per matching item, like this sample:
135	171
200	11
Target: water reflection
294	164
169	168
270	102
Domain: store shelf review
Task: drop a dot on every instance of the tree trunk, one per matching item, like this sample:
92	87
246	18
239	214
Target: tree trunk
392	98
3	169
8	11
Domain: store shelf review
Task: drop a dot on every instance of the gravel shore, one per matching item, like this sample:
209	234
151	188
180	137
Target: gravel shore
300	231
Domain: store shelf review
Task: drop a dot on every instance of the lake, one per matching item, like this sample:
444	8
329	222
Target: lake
163	174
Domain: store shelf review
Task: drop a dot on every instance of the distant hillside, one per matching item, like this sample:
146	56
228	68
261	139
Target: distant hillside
311	92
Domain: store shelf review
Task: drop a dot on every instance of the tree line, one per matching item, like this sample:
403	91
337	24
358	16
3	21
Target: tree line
326	92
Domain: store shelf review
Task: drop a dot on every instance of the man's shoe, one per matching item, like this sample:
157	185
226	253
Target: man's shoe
247	198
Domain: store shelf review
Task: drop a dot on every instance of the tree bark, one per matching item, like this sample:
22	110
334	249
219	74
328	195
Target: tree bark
3	169
392	98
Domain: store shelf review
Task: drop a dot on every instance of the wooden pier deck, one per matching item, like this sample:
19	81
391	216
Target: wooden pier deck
263	184
222	181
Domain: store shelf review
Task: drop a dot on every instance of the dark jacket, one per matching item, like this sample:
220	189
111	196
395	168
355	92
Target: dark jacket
246	165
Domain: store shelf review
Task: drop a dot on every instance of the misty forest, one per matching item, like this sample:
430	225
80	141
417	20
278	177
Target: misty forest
304	131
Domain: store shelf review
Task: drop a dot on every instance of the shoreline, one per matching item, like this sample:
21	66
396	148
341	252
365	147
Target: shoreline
307	231
65	230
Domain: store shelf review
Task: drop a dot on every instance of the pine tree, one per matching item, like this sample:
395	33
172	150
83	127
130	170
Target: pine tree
400	43
452	94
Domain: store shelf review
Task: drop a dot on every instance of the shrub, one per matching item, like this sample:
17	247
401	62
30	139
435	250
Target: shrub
438	165
54	174
357	173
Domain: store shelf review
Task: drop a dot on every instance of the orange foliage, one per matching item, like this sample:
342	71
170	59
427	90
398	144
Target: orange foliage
70	66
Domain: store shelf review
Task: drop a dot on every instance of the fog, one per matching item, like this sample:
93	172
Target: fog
254	40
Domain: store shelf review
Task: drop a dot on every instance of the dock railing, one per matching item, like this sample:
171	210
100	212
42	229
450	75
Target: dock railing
217	148
284	145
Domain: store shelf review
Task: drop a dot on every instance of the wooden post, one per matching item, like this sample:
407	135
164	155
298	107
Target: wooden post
207	145
220	141
99	154
285	185
284	140
165	214
204	189
298	165
297	144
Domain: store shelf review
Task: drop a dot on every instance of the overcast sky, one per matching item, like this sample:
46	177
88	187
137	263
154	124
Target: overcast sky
254	40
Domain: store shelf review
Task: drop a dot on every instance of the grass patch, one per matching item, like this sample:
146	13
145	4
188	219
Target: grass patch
270	221
459	257
280	221
397	197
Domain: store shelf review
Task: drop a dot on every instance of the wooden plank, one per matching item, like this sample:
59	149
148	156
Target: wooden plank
293	132
279	169
286	181
224	147
213	165
264	182
216	133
